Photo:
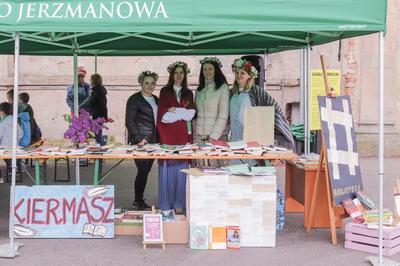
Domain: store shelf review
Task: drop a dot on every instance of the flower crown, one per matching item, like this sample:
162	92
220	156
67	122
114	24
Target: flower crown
246	66
147	73
211	60
177	64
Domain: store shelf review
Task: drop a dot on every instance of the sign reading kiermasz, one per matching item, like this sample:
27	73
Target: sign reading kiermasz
23	12
64	212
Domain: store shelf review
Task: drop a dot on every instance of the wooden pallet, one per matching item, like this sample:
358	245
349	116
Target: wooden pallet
360	237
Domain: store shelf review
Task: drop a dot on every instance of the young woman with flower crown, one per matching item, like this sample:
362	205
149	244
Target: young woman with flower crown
140	121
212	103
245	94
175	113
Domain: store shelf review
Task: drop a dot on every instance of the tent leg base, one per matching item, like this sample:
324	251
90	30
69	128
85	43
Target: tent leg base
7	252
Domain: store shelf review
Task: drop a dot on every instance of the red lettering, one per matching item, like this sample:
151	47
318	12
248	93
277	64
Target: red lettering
70	207
83	210
17	206
109	209
52	211
28	211
100	208
37	210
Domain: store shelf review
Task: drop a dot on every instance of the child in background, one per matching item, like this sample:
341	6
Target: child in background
36	133
6	131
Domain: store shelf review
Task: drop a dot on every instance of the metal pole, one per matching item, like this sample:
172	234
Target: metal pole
14	139
95	64
381	140
307	100
11	250
76	109
301	86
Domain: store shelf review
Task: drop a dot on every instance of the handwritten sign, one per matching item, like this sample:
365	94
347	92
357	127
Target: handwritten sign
64	212
152	228
317	88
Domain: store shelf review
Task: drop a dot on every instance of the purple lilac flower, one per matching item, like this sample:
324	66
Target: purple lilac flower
80	127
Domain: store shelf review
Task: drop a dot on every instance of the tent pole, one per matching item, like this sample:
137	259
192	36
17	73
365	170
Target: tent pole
11	250
306	100
302	86
76	110
381	139
95	63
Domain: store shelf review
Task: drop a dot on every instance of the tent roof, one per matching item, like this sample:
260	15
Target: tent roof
171	27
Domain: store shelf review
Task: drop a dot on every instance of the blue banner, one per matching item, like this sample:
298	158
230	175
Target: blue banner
64	212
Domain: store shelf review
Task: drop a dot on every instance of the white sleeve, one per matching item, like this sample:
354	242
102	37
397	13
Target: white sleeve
170	117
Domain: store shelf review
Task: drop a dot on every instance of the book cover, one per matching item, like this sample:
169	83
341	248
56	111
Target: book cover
168	215
359	205
353	211
253	144
237	145
233	237
198	236
219	144
365	200
217	237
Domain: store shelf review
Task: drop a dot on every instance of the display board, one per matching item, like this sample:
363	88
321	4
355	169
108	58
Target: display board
341	146
64	212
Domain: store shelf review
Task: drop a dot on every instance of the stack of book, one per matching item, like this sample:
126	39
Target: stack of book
213	170
97	149
280	210
263	170
362	210
371	217
239	169
308	161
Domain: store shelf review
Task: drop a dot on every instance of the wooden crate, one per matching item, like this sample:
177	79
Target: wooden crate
360	237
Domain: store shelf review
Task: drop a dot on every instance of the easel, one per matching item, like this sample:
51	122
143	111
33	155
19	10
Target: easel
324	177
396	192
162	242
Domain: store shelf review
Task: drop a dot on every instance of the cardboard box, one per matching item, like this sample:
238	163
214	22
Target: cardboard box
128	229
176	232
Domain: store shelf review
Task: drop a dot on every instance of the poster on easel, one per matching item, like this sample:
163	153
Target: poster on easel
341	147
152	228
317	88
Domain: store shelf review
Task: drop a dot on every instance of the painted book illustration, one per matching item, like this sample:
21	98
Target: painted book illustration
94	230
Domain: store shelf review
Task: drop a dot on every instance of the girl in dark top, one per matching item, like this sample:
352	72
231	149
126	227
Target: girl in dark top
98	103
140	121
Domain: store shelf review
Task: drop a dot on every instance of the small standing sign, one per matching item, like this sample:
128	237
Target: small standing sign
153	229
